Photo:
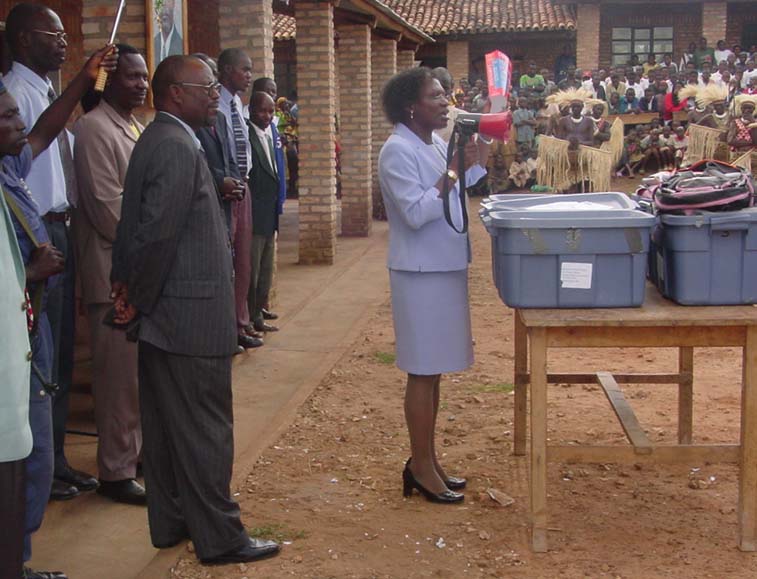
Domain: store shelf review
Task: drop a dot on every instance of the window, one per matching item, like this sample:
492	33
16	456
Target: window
641	42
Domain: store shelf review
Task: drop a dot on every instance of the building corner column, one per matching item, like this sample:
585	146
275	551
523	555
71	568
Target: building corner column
316	80
354	57
587	36
383	67
248	24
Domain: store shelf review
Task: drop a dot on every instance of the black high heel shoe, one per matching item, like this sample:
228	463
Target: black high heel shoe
409	483
453	483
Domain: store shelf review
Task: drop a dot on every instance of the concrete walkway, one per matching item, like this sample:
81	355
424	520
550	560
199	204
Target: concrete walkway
323	310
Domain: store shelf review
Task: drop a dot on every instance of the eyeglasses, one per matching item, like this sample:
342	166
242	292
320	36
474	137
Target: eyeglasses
59	36
210	87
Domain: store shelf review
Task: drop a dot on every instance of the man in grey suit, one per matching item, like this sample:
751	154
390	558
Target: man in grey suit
173	290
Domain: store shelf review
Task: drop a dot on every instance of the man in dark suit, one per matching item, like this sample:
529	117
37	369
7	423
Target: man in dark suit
266	181
173	290
229	181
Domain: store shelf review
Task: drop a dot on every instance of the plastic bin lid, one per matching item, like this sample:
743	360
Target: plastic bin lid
568	219
514	196
578	202
714	218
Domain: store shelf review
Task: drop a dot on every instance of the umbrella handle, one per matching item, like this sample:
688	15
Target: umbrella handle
102	79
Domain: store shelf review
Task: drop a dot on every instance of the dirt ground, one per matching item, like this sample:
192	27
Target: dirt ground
330	488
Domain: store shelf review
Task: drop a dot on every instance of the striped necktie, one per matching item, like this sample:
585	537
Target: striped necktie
240	143
66	157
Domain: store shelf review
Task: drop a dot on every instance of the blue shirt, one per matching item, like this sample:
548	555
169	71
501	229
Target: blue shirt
13	172
46	178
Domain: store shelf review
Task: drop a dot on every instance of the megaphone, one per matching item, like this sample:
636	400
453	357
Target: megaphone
492	126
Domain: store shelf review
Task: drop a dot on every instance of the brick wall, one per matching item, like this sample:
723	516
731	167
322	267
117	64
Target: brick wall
739	16
248	24
458	59
315	85
543	48
714	18
685	20
383	67
97	21
587	36
405	59
354	59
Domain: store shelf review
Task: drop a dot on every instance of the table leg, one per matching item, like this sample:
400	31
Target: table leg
520	344
748	474
539	440
685	395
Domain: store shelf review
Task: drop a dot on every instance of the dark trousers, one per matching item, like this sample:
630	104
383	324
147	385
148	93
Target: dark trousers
12	509
261	274
188	450
39	464
60	311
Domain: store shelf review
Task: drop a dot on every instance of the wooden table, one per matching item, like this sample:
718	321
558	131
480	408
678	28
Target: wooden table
658	324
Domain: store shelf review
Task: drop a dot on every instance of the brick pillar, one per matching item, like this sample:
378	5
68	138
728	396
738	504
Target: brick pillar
315	87
405	59
248	24
587	36
383	67
458	59
354	58
714	21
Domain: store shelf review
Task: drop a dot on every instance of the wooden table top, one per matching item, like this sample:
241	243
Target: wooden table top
656	311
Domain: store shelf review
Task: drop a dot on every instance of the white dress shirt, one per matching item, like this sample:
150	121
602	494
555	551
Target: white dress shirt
225	108
638	88
263	136
46	180
419	237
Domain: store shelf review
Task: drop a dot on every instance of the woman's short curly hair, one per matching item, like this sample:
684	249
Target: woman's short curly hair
403	90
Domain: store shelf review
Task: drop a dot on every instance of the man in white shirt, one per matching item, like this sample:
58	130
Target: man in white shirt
749	73
722	52
235	76
38	45
633	83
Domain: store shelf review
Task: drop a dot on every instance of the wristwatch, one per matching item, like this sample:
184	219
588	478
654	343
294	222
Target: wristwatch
452	175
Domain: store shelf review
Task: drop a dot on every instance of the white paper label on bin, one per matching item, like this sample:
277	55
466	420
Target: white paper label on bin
576	275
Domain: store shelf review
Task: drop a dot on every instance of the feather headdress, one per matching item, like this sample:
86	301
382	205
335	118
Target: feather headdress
565	98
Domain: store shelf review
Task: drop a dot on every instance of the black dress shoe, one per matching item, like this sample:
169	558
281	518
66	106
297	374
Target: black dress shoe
269	315
254	550
409	483
81	480
248	341
263	327
31	574
62	491
453	483
126	491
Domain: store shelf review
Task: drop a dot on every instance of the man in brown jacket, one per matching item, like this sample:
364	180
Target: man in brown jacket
105	138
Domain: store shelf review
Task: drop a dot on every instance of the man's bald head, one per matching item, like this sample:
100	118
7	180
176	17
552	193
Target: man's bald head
182	86
261	98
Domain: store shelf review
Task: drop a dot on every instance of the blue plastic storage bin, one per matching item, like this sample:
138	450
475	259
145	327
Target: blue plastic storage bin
707	258
581	259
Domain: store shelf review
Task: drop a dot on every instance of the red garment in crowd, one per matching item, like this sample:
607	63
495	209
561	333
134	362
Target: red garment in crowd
669	108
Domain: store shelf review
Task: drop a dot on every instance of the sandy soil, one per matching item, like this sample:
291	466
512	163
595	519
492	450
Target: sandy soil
331	487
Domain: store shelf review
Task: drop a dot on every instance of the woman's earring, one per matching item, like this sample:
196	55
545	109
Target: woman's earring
412	114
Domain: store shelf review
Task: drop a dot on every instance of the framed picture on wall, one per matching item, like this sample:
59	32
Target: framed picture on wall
166	30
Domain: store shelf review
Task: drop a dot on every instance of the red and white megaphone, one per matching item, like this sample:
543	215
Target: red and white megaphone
491	126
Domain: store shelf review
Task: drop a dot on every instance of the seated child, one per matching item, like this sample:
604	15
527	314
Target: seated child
519	171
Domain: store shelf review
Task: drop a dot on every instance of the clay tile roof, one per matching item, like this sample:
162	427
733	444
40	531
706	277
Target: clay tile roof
444	17
284	27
